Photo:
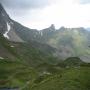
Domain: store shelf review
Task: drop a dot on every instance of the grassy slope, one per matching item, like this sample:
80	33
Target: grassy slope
16	66
32	53
15	74
70	79
13	71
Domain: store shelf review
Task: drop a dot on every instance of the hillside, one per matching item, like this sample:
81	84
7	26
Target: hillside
70	79
18	61
31	53
28	65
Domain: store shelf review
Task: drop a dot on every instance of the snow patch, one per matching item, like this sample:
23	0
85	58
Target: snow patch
45	72
8	29
41	33
12	46
1	58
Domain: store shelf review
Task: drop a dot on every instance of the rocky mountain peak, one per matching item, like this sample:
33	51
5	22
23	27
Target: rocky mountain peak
7	26
3	13
52	27
4	19
1	7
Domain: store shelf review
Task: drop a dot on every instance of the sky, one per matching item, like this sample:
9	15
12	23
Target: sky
39	14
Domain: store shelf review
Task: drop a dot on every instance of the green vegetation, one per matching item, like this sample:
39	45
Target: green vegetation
70	79
29	66
18	64
15	74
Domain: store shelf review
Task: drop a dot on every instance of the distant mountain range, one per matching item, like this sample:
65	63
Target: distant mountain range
68	42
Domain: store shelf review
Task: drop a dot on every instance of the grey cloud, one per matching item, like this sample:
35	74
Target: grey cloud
17	8
25	4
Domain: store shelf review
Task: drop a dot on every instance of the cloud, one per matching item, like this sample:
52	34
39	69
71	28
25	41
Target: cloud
26	4
41	13
22	7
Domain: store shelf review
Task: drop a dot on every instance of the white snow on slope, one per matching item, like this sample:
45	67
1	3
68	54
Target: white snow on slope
12	46
40	32
8	29
1	58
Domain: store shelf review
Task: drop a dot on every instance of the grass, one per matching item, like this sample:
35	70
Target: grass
70	79
15	74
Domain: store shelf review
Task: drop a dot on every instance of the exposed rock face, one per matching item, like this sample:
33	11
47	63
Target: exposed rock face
6	26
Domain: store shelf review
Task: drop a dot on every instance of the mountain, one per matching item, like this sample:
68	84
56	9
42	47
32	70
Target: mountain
6	26
32	59
69	42
19	62
14	31
32	53
21	43
88	28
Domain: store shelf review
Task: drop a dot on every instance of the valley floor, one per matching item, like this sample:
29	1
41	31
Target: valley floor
17	76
